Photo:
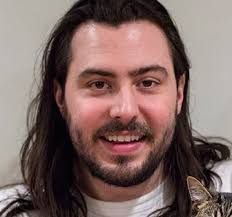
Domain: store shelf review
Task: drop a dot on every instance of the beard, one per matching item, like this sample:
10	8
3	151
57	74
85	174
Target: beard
122	174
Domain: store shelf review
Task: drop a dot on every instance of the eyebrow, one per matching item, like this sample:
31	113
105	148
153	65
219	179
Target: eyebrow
146	69
109	73
95	71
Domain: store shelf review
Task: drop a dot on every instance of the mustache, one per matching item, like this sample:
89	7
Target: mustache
116	126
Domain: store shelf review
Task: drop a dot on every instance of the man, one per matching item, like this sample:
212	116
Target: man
110	133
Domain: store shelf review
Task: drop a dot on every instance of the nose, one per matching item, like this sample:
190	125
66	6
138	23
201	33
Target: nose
125	106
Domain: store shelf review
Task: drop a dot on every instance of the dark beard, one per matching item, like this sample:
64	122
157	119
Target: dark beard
123	175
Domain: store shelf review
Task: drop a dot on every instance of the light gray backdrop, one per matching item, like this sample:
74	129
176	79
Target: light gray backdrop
206	27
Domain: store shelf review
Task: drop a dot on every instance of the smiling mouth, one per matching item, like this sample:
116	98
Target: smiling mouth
123	143
123	139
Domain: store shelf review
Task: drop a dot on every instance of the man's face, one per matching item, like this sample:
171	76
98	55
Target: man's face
121	100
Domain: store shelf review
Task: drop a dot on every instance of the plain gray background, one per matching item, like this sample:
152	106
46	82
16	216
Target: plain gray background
205	26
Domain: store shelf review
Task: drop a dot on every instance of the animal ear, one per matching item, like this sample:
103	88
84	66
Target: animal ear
197	191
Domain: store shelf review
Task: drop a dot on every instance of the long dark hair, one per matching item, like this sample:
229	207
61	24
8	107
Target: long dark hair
47	153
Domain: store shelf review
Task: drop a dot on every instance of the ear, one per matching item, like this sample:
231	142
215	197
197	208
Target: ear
180	92
59	97
197	191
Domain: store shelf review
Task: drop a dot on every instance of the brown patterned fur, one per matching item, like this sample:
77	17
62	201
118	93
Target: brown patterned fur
207	204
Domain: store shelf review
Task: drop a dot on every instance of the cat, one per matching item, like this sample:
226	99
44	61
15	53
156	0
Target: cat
207	204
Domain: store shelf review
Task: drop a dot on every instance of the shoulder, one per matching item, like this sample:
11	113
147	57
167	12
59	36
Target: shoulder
11	193
224	170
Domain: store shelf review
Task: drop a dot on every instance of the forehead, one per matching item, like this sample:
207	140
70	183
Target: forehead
128	45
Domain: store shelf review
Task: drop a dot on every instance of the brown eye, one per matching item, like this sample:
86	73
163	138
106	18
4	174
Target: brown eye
99	85
147	83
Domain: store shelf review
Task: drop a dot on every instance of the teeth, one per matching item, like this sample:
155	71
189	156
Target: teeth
122	138
127	138
110	138
136	138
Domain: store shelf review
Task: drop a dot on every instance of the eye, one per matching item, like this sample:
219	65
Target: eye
148	83
99	85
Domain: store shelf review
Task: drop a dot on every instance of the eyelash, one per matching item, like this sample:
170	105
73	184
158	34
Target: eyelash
153	83
95	82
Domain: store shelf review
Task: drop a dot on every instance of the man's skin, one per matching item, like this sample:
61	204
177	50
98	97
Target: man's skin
131	79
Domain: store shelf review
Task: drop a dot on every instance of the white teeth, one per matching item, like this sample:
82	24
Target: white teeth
127	138
136	138
122	138
110	138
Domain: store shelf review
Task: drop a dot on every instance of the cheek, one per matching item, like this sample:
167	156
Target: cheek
85	114
160	113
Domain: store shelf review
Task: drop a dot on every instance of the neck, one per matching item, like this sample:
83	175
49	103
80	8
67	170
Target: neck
100	190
